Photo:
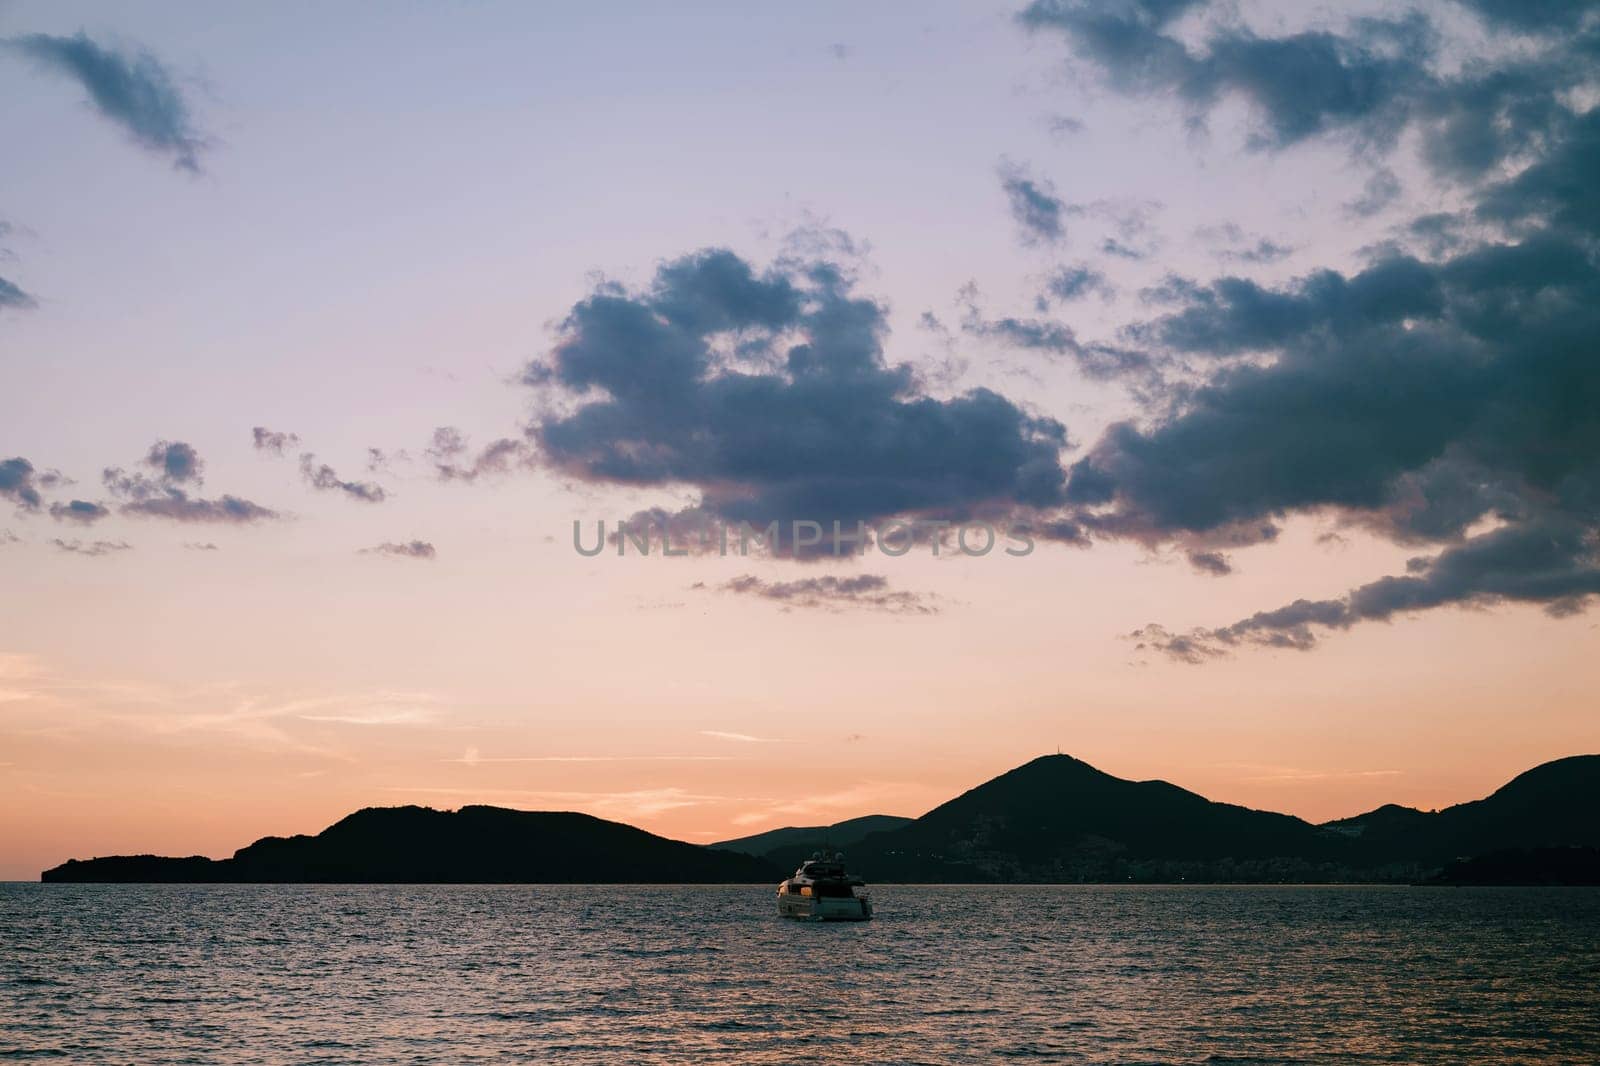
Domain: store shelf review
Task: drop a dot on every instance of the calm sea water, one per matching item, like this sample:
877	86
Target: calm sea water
381	974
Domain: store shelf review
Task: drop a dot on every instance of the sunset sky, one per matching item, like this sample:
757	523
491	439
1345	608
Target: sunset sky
1273	324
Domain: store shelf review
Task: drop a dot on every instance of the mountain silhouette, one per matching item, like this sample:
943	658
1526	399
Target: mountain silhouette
1552	805
1055	819
1059	819
791	844
422	845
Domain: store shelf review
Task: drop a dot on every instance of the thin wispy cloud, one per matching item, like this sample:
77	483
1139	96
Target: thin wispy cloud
472	757
639	803
869	592
397	716
742	738
413	549
134	90
91	547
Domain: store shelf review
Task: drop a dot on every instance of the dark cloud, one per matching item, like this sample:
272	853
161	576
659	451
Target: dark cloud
82	512
1233	315
769	394
1535	16
1425	395
8	537
266	440
1558	189
19	483
1299	86
1368	82
1214	563
134	91
13	297
175	470
323	478
1452	402
415	549
1554	563
860	592
1038	211
93	548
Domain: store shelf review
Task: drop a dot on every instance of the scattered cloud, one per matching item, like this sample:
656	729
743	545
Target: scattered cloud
1067	284
742	738
452	458
1038	212
83	512
171	470
1055	339
278	443
19	484
323	478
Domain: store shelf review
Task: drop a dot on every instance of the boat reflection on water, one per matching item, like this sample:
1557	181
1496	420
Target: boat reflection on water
822	891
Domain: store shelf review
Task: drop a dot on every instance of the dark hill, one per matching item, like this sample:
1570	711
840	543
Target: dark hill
1525	866
1053	819
786	845
1059	819
422	845
1552	805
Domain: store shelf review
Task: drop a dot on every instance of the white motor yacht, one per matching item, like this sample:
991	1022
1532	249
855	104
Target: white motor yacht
822	891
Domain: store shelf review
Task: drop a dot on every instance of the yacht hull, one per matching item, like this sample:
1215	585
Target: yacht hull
824	910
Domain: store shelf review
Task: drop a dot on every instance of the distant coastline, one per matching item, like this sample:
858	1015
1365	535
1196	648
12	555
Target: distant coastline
1053	820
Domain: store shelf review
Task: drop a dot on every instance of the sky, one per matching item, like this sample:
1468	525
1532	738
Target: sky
1270	328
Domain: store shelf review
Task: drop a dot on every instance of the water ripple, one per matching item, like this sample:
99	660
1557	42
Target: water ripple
652	974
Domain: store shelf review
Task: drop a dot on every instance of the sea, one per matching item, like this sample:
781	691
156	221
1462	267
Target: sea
708	974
